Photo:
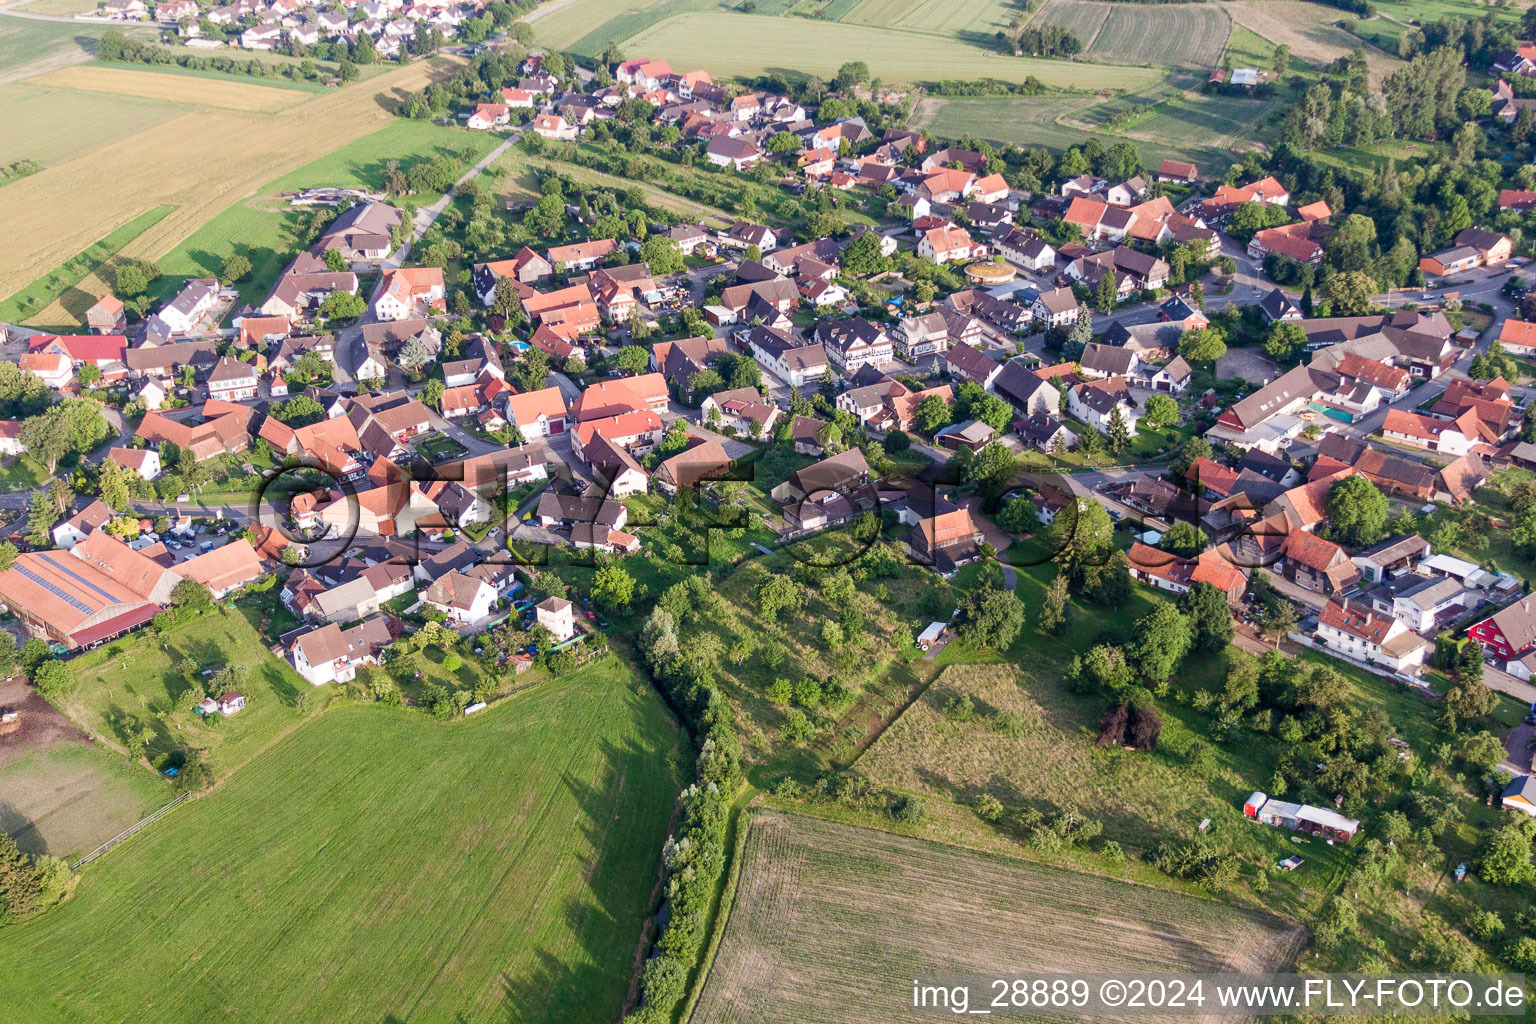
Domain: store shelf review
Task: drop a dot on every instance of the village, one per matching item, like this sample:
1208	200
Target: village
1179	386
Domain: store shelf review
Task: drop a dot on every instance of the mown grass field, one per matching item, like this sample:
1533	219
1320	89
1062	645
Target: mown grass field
741	44
1175	35
1185	125
68	798
830	923
52	286
382	866
60	211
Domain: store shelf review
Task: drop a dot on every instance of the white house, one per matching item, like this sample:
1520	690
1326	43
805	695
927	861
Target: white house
1356	631
555	614
1095	402
143	461
232	381
330	654
461	598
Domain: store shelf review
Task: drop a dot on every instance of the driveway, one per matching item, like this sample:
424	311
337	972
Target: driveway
1518	744
1497	679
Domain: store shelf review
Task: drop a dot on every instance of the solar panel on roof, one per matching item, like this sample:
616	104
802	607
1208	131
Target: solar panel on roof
78	578
55	591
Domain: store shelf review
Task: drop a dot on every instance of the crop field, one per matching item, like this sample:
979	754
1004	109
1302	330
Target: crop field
1172	35
741	44
830	923
43	124
1081	18
970	18
206	92
588	26
60	282
59	211
378	865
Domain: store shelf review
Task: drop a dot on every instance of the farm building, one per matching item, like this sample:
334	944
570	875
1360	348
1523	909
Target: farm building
1316	821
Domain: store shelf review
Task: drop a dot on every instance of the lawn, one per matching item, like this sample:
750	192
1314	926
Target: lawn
47	44
53	286
133	683
741	44
363	163
831	923
381	866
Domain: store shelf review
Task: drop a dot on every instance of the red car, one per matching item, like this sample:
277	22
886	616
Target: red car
589	613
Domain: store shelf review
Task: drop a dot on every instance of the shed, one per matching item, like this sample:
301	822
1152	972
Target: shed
931	635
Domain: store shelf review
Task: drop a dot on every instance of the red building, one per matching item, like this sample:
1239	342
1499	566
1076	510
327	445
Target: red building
1509	632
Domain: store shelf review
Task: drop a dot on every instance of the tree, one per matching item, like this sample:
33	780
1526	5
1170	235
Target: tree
1184	539
612	586
1285	341
112	485
1117	433
1204	346
335	262
1162	639
992	470
1504	854
1106	297
663	255
506	304
632	359
41	518
191	595
1080	535
931	414
1160	411
340	305
1056	606
1349	293
863	257
432	394
1019	516
992	617
1357	511
299	411
235	268
1210	619
779	593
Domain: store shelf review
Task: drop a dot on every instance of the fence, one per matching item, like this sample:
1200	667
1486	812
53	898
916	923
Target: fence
126	833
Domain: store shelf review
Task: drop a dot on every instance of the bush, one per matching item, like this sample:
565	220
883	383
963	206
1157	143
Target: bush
909	810
989	808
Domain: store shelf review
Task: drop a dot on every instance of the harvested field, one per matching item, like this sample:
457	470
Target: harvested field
830	923
62	794
203	92
1172	35
741	44
1308	30
56	213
